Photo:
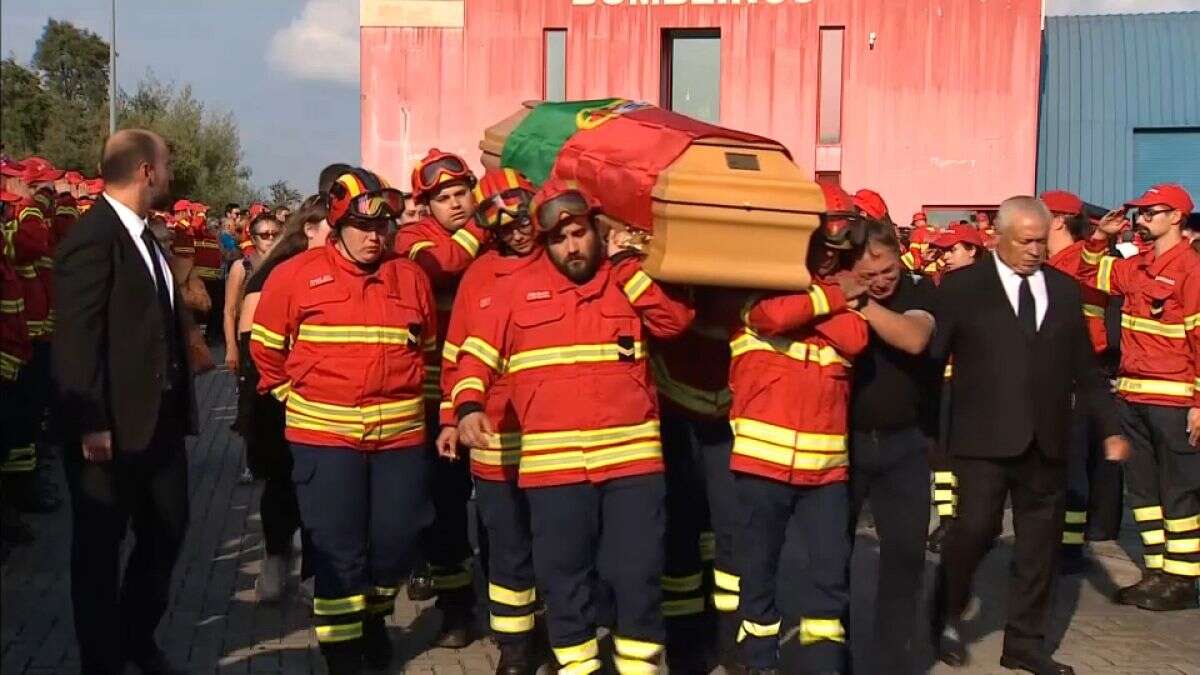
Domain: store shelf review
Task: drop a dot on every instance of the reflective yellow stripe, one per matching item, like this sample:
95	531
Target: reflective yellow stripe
1181	568
567	355
376	423
816	630
465	239
340	632
820	301
1182	524
1104	274
1154	537
480	349
1153	562
473	383
945	478
750	341
946	509
1141	325
417	248
1075	517
681	584
758	630
371	412
282	392
590	438
1157	387
948	372
591	459
726	581
371	335
943	496
725	602
626	666
339	606
703	401
512	624
1146	513
581	668
1093	311
267	337
708	546
637	649
1072	538
507	596
12	306
580	652
683	607
1191	322
450	352
1183	545
638	284
1091	257
789	438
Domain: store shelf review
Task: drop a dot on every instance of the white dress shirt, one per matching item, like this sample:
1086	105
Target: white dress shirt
135	225
1012	288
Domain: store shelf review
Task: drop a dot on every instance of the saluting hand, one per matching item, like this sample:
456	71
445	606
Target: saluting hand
474	429
97	446
1111	224
1117	449
447	443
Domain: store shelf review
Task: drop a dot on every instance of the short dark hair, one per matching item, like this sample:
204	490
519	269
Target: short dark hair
330	174
1079	226
231	206
264	217
122	158
876	232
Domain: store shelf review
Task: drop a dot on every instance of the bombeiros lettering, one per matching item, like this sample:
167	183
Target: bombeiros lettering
677	3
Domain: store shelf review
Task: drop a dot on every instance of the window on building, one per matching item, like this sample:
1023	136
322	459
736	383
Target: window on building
829	87
554	78
1166	156
691	73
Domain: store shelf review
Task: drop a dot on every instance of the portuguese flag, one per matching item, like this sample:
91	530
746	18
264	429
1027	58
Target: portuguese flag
614	148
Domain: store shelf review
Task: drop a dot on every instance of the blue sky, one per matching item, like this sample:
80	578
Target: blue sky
287	69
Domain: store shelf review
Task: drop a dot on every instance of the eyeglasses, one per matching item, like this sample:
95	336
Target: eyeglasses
267	235
1149	214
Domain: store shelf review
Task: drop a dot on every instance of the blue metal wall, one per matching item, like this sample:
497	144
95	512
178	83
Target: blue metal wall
1103	77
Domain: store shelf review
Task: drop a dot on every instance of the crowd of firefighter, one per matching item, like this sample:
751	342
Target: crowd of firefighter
399	353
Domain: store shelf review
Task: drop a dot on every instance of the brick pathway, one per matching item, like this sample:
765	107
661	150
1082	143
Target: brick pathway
214	625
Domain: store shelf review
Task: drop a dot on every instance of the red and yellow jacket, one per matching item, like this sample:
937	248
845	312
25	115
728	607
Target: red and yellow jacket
208	257
1068	261
575	359
444	256
15	346
27	240
1160	320
482	291
790	377
692	371
345	349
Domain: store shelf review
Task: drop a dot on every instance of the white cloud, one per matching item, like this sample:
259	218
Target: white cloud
320	44
1062	7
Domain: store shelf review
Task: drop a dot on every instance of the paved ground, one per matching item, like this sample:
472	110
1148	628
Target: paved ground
214	625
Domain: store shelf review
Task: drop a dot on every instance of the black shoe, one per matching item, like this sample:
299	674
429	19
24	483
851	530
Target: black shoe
1174	593
1149	583
343	658
1036	664
13	529
515	659
938	536
456	630
1074	563
377	644
154	662
420	586
952	652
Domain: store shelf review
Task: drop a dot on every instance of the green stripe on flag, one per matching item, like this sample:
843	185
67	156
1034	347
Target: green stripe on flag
533	146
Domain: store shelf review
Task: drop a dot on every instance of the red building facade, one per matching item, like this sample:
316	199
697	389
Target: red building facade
930	102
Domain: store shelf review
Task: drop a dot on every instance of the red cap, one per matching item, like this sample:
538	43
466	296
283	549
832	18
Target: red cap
6	196
73	177
1062	202
94	186
870	203
13	168
957	233
1167	194
181	205
837	201
255	209
919	215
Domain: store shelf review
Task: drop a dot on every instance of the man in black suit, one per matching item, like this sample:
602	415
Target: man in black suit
121	366
1015	328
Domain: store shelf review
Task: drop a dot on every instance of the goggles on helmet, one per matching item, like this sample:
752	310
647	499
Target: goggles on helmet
445	169
384	204
507	209
551	213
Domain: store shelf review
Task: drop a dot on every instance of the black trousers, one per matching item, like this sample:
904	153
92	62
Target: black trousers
1037	487
214	323
687	514
511	596
115	614
447	541
1094	502
891	471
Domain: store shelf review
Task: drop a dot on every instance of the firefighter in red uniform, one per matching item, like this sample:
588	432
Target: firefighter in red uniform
915	258
1093	484
15	352
572	345
503	197
340	336
791	388
1157	387
443	244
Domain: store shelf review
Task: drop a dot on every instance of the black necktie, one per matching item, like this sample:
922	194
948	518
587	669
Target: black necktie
1026	309
174	358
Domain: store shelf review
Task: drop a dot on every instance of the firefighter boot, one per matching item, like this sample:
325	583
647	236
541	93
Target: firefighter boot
420	585
268	587
377	644
1131	595
727	628
938	536
343	658
1175	593
516	658
456	627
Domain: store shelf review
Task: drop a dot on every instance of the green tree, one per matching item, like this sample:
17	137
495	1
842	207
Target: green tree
74	63
283	194
24	106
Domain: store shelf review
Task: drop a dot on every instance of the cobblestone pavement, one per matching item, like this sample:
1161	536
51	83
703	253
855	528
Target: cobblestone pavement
214	624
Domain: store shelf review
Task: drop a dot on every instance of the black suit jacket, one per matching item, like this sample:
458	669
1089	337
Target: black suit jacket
1010	389
109	355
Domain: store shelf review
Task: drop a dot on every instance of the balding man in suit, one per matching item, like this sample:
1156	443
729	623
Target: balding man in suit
120	363
1021	350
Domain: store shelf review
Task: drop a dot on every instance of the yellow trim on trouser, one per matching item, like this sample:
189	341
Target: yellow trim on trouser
637	285
945	478
1154	537
1075	517
336	606
1183	545
725	602
1158	387
20	460
708	546
1181	568
682	584
683	607
759	630
637	649
1072	538
512	624
1146	513
726	590
567	355
1182	524
340	632
943	496
816	630
507	596
1153	562
382	600
578	659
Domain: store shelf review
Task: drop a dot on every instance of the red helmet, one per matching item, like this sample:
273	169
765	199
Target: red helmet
361	194
181	205
503	197
437	170
870	203
840	215
558	200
